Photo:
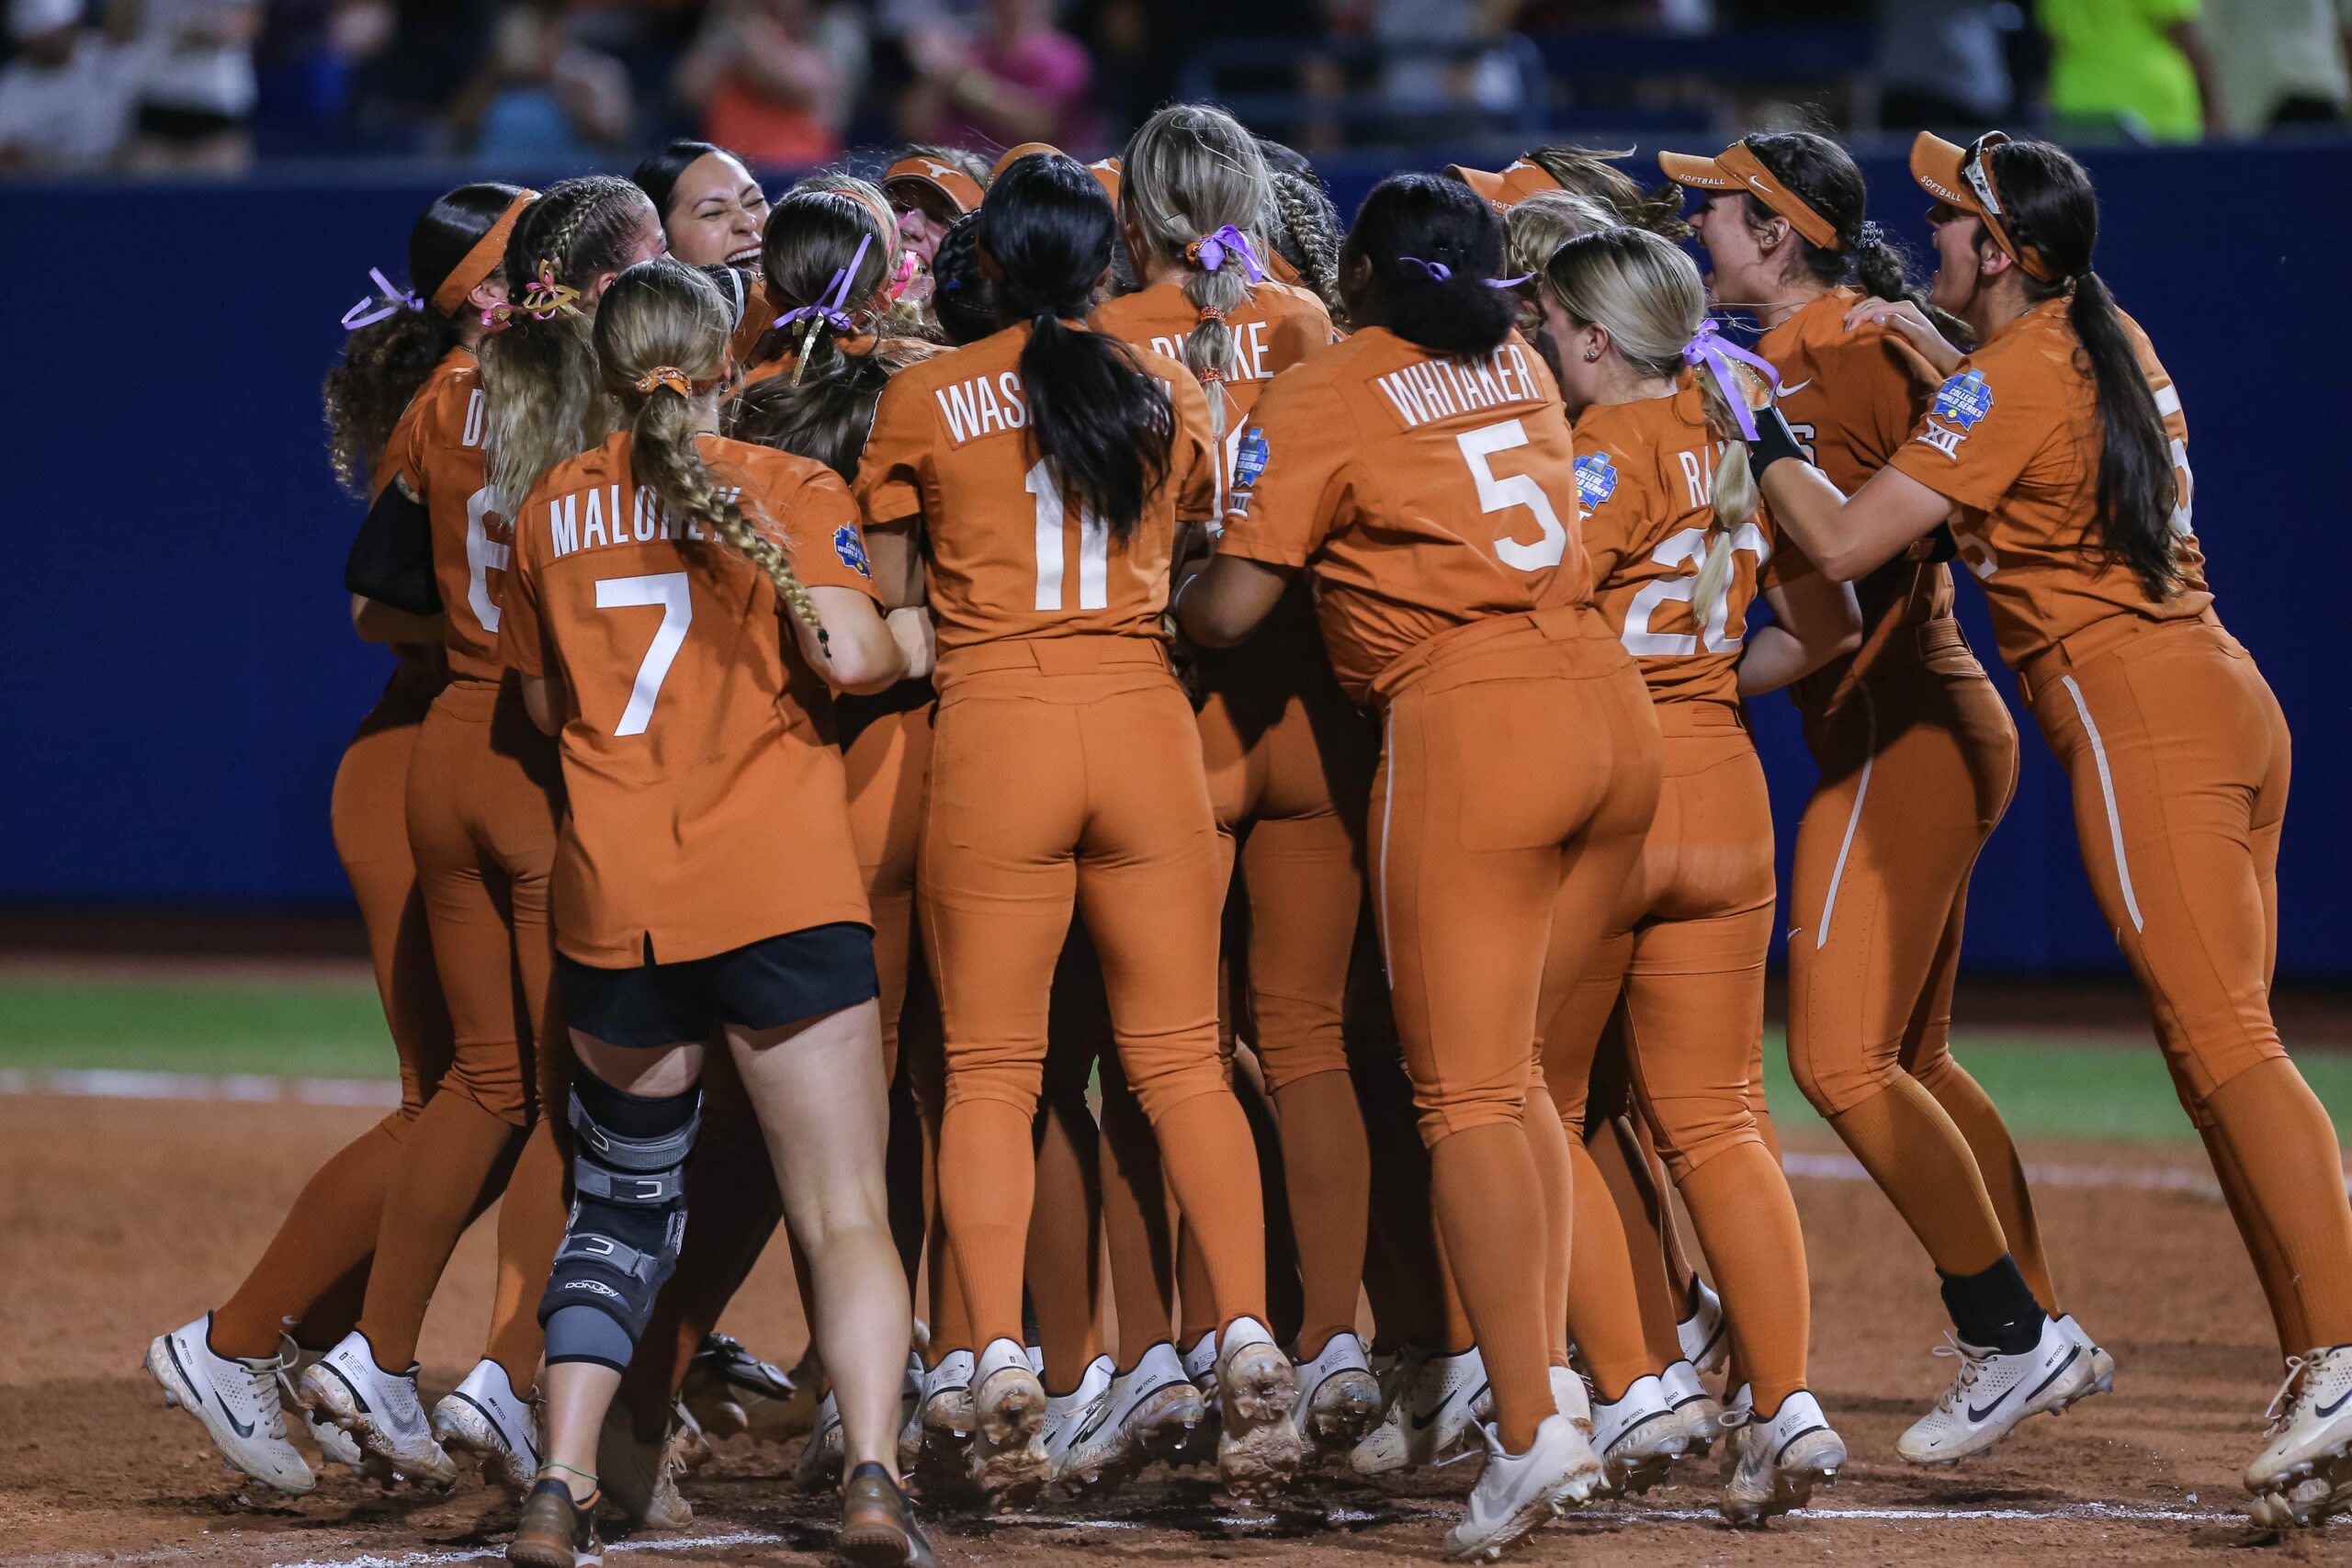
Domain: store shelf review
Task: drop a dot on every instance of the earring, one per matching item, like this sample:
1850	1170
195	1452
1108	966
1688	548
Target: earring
1591	354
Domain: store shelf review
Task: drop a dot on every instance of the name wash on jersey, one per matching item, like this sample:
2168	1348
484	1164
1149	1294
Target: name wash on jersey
572	527
1430	390
989	405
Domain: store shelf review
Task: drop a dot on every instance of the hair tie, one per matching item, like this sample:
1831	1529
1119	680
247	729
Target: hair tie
394	300
1211	251
1438	271
910	267
668	375
1209	313
498	318
1509	282
1872	234
545	299
832	308
1710	352
1211	376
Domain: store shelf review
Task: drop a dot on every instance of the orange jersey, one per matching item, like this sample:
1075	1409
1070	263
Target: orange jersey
1643	472
2014	438
1007	559
759	315
1422	493
707	806
1852	399
435	455
1275	328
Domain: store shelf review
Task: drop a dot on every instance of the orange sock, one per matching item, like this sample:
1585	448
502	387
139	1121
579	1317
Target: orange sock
1490	1208
1137	1224
1063	1266
1747	1223
452	1166
329	1231
986	1171
2002	1173
1919	1159
1327	1170
2270	1268
1212	1168
1547	1145
2285	1148
530	1228
1604	1307
1643	1221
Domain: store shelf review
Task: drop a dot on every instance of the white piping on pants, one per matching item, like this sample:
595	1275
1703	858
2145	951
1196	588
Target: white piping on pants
1861	791
2107	791
1387	810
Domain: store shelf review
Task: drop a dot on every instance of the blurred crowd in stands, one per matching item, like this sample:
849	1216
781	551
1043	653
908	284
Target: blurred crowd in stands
209	86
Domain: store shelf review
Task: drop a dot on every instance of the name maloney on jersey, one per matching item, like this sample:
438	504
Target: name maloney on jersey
571	526
1430	390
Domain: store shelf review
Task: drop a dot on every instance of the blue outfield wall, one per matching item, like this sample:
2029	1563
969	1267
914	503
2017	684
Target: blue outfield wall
181	675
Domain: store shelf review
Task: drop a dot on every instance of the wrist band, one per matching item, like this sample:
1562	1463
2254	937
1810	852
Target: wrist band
1773	440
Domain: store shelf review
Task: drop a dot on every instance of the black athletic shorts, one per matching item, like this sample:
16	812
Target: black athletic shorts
765	985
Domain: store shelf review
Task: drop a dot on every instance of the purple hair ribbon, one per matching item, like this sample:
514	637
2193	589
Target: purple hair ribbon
1710	351
1509	282
1439	272
392	302
833	308
1213	251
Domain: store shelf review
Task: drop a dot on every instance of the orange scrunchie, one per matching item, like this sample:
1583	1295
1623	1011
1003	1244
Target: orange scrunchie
668	375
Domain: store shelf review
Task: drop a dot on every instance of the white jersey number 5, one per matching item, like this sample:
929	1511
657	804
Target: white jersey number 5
1519	490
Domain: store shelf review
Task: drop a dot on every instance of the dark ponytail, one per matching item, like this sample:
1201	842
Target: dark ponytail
385	363
2051	209
1104	423
961	297
1434	245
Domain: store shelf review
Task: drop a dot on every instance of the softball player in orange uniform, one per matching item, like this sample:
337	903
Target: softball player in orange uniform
1289	763
482	805
306	1289
713	213
1679	550
1421	472
2059	450
1918	757
1049	467
646	606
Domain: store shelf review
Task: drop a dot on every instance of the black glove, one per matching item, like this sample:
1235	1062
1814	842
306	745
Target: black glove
1773	441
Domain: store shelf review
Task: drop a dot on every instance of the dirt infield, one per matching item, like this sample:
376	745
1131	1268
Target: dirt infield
121	1219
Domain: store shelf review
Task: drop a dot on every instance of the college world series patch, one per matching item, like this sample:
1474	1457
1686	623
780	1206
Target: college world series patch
1960	405
1250	459
1596	480
850	545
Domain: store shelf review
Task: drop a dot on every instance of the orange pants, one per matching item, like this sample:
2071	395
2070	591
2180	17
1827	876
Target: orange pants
483	799
314	1272
1518	775
1689	955
1066	776
2179	756
1917	764
885	752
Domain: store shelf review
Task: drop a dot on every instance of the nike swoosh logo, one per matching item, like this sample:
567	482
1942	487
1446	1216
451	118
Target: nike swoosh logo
1423	1423
1796	386
1976	1416
243	1428
2326	1410
1094	1424
1758	181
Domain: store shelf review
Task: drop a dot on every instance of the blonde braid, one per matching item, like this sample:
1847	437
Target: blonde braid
663	455
1303	219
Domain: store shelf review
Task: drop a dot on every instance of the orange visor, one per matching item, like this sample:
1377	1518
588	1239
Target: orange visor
485	258
1737	167
1962	178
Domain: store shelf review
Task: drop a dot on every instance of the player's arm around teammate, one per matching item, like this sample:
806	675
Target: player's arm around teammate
1681	551
1049	467
2061	446
652	578
1918	759
1421	472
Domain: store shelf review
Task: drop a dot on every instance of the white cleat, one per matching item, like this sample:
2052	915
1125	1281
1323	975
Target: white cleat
1152	1411
2311	1423
730	1392
1339	1399
335	1445
1200	1367
1008	1457
1516	1494
1700	1415
943	1418
485	1417
237	1400
2102	1364
1438	1399
1078	1411
1638	1436
1993	1392
1704	1343
380	1408
1258	1449
640	1478
1573	1399
1773	1465
819	1468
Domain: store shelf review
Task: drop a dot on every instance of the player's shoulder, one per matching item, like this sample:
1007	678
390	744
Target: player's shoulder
1279	301
767	467
448	391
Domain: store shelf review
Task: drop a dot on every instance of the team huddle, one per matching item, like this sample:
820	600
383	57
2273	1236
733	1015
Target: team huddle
1011	715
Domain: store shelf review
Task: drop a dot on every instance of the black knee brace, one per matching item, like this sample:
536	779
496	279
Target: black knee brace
628	1216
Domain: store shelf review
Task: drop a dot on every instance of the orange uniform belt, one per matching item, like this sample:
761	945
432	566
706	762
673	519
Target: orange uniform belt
1496	636
1052	656
2044	669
